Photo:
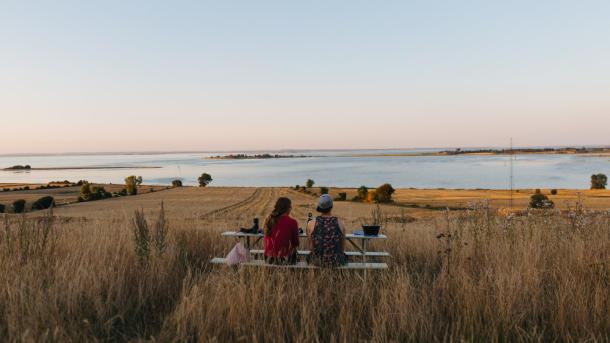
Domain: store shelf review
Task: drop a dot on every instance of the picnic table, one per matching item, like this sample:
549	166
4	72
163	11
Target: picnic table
358	241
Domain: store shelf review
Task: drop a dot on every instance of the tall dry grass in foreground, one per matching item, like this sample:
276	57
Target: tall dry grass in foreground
470	276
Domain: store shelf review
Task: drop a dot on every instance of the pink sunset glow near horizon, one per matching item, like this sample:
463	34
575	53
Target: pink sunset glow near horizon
206	76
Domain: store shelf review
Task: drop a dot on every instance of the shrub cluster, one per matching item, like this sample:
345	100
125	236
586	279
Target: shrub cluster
361	194
43	203
599	181
541	201
91	193
382	194
205	179
19	206
342	196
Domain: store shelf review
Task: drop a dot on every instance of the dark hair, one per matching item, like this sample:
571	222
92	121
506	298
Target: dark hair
325	210
282	205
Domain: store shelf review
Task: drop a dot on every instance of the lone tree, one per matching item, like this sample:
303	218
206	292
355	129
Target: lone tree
205	179
131	184
177	183
599	181
539	200
383	193
363	193
310	183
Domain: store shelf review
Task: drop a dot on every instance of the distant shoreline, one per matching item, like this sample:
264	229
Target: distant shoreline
284	150
597	152
81	168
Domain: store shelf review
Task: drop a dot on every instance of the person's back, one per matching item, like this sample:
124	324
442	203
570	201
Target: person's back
281	234
327	242
284	238
326	236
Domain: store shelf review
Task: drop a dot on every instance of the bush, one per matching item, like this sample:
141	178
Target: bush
342	196
6	189
19	206
553	191
323	190
297	187
177	183
363	193
383	193
539	200
89	193
599	181
99	193
309	183
205	179
131	184
26	188
2	208
85	190
43	203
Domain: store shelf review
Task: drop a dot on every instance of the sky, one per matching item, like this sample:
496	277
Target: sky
93	76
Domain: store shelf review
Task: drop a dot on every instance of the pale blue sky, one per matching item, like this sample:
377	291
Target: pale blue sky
176	75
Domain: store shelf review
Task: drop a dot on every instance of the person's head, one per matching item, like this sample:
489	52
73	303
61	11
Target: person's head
283	206
325	204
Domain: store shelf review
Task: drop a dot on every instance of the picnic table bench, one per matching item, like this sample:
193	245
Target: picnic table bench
304	265
358	241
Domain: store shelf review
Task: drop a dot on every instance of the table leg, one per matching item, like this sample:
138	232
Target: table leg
364	259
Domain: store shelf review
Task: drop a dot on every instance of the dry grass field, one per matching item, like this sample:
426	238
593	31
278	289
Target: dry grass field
464	198
62	195
458	275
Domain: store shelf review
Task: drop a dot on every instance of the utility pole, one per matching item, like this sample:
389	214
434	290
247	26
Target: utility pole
512	152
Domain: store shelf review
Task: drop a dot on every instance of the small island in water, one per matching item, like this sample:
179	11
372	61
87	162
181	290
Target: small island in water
254	157
19	167
28	167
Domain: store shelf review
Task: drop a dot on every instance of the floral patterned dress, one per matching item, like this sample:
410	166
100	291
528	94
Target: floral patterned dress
327	238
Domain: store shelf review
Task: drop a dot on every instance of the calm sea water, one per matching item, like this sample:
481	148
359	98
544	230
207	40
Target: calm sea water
330	168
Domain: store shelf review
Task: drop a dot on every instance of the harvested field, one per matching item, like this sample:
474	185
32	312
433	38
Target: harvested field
458	276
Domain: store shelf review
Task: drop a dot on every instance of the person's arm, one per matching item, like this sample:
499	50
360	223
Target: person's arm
310	226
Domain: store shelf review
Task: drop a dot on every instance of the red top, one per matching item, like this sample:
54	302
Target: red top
284	236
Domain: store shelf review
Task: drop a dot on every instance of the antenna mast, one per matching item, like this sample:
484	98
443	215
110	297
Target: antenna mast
512	152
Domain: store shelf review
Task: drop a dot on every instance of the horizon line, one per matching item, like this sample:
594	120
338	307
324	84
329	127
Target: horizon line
161	152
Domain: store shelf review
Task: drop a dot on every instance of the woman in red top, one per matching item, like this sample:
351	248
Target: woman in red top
281	234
